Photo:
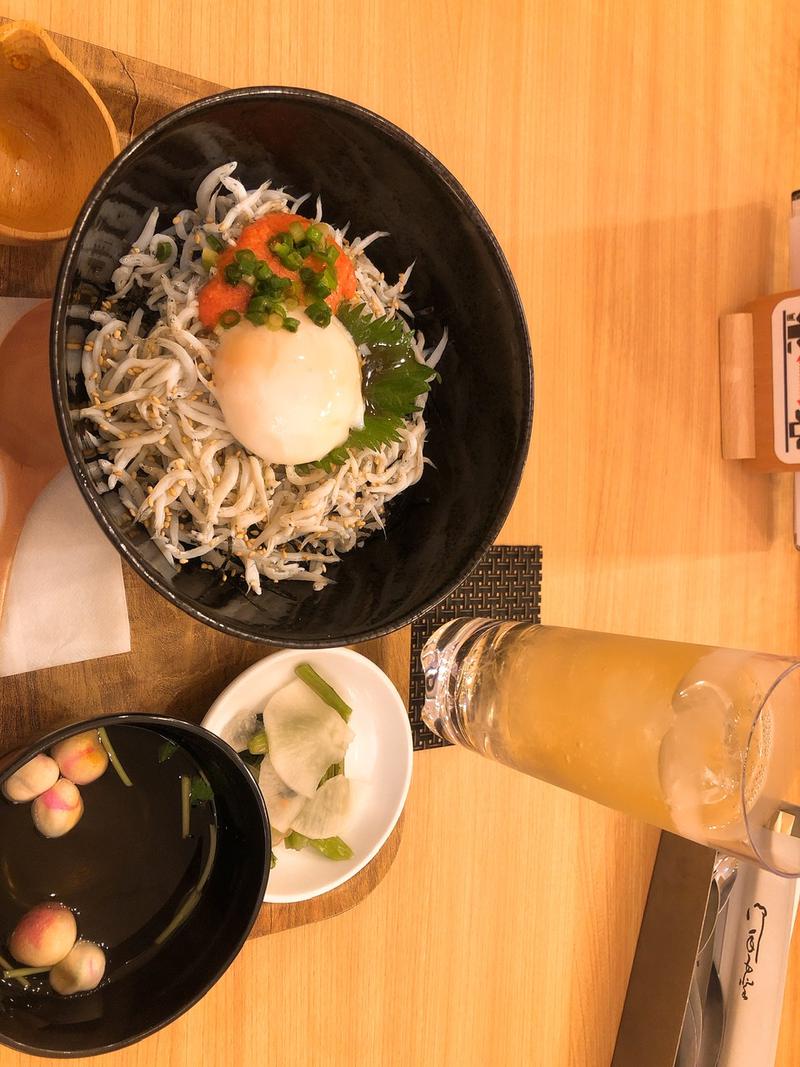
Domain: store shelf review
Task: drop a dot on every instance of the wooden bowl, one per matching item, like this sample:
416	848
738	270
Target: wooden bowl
56	137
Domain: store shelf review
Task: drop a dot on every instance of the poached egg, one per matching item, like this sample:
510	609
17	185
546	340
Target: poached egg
289	397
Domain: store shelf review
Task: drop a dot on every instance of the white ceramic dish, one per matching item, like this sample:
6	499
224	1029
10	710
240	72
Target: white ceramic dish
379	758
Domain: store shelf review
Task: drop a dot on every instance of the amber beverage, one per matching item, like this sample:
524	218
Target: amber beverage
698	740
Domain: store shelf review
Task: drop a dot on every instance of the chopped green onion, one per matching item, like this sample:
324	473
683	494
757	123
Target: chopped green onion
319	283
319	290
115	763
291	324
281	244
229	318
305	250
295	841
256	317
314	235
209	258
292	260
306	673
233	274
290	303
260	304
276	286
331	254
186	794
297	232
214	243
163	251
319	313
274	321
246	260
329	278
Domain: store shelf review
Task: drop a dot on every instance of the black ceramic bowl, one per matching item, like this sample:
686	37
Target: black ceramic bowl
374	175
124	870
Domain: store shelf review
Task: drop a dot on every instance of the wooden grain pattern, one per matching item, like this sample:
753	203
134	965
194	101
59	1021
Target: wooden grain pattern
736	386
635	159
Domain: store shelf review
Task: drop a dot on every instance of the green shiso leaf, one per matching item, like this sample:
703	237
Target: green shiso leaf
392	380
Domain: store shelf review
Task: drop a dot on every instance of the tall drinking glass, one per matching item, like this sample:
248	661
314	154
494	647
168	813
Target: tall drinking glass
698	740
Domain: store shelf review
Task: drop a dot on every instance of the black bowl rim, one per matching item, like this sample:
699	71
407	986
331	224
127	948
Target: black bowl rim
58	339
154	722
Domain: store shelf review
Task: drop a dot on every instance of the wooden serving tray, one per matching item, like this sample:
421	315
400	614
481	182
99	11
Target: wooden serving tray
176	666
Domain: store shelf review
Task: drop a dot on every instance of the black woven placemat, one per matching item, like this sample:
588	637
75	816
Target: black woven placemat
506	584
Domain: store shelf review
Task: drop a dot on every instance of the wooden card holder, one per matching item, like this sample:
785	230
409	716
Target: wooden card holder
759	363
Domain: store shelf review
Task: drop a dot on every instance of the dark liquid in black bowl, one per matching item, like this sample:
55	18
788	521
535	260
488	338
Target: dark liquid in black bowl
125	870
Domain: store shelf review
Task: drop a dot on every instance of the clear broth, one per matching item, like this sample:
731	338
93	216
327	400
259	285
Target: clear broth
124	870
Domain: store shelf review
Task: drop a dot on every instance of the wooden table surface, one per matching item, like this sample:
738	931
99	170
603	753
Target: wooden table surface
635	159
